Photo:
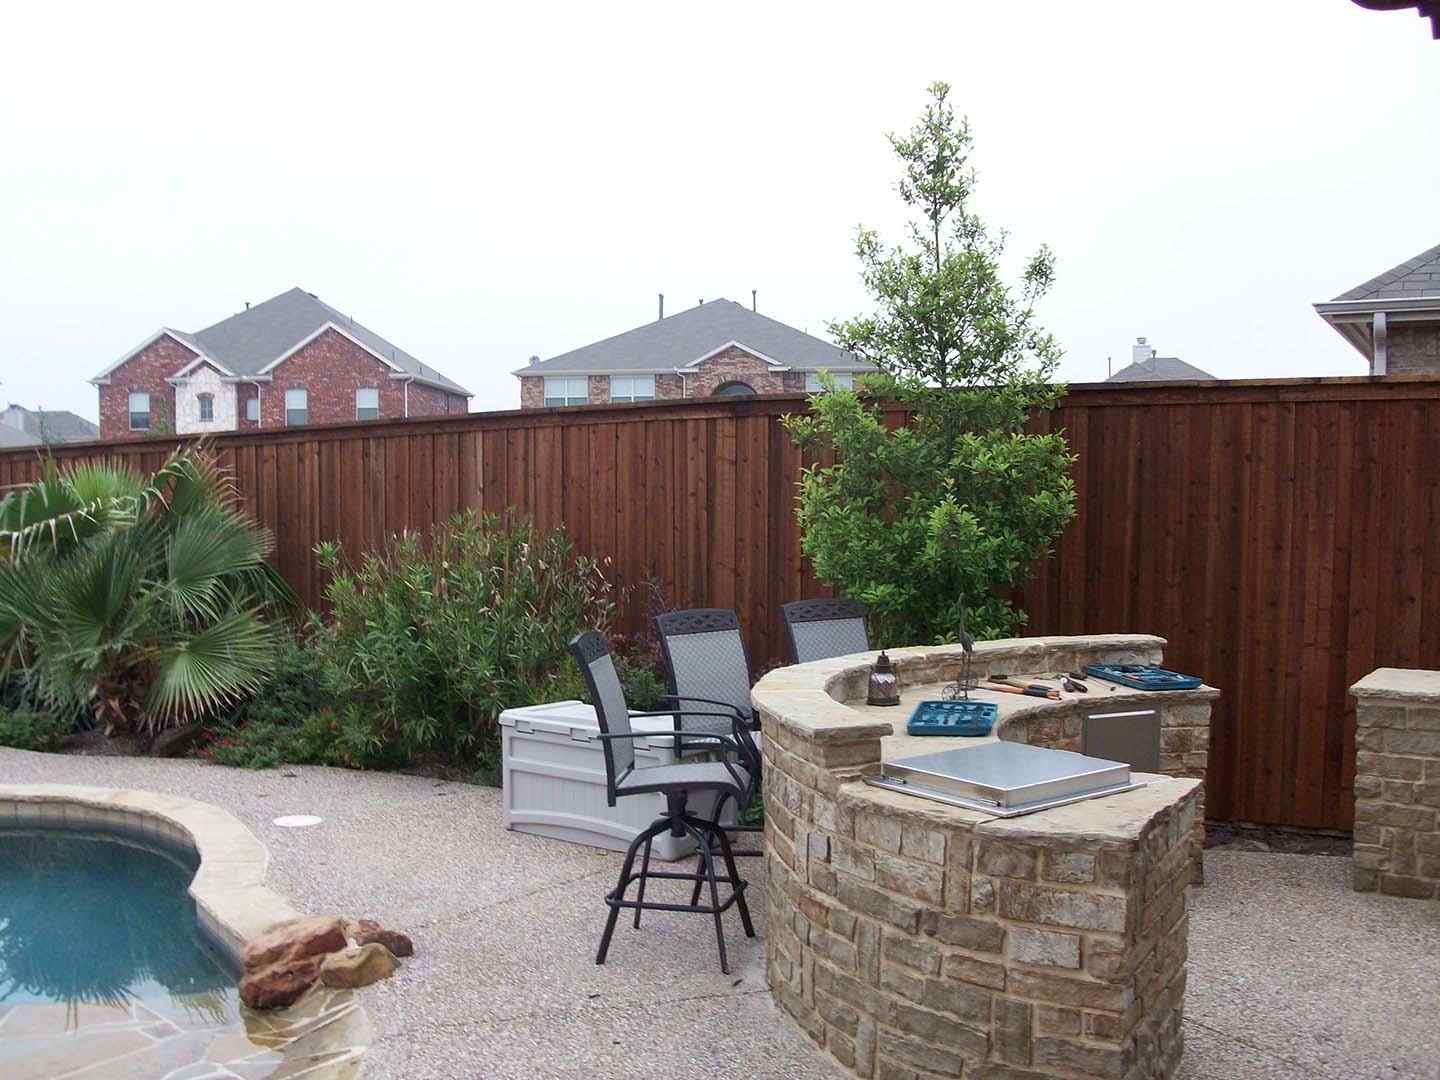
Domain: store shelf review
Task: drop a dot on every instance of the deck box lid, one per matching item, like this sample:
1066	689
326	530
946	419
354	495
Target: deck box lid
576	720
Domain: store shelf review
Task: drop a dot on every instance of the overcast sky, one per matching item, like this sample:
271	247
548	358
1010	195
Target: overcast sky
482	186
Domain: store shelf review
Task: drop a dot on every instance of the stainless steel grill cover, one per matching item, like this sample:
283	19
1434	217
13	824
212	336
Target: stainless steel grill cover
1005	778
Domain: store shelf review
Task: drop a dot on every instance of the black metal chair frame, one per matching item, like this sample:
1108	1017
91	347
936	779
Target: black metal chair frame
819	610
677	820
706	620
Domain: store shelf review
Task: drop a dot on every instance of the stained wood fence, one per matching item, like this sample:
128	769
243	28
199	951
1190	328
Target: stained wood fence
1280	534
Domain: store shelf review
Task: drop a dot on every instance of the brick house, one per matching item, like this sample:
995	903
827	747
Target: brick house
1393	319
716	348
288	361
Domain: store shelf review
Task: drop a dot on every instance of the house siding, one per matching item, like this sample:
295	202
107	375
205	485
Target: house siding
1414	347
204	380
146	371
330	369
701	381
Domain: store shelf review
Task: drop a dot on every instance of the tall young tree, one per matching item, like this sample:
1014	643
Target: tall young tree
953	509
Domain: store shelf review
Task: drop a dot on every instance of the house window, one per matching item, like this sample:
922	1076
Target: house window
367	403
139	412
207	407
843	379
560	390
297	407
632	387
252	409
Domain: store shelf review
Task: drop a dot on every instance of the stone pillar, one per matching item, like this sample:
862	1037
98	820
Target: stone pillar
1397	783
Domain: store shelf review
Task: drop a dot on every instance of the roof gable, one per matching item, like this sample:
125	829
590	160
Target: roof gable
1159	369
177	336
689	336
251	342
1413	278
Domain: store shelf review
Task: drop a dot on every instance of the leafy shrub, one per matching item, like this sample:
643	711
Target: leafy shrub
26	729
427	644
146	602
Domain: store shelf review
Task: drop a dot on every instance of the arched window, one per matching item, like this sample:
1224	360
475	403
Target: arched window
207	407
734	388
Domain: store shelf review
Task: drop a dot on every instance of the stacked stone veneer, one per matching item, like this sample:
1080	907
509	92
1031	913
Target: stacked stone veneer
912	940
1397	783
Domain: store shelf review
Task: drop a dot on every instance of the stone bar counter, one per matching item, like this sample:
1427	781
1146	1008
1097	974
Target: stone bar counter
912	939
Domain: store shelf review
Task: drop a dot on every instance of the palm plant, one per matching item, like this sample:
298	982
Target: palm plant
147	602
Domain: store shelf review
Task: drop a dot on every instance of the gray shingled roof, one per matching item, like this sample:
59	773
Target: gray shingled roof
680	339
56	425
252	339
10	438
1159	369
1415	277
249	341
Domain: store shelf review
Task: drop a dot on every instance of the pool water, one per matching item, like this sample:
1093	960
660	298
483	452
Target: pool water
104	970
99	921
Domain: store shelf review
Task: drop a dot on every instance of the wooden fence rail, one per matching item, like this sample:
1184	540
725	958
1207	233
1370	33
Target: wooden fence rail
1280	534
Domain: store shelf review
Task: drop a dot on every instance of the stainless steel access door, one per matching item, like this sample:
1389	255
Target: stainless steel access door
1129	735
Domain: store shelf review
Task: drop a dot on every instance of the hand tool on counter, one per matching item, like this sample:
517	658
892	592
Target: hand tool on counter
1029	690
1072	684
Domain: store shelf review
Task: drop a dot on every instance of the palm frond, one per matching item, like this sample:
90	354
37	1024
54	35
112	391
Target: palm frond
209	550
65	507
200	672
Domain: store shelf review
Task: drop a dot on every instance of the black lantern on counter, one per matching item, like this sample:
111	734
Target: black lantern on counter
884	686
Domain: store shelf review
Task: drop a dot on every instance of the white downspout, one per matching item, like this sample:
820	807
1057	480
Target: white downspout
407	396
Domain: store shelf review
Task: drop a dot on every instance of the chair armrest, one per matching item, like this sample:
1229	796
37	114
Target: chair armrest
684	736
711	701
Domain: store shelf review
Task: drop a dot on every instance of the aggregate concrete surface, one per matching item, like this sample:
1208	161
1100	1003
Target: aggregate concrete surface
1291	973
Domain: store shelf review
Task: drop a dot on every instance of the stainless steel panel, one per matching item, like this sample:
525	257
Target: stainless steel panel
1131	736
1005	777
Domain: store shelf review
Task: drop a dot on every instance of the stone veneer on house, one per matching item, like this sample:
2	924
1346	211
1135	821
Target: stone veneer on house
914	940
1397	783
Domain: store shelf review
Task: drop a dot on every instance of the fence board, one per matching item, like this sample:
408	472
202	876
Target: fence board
1281	534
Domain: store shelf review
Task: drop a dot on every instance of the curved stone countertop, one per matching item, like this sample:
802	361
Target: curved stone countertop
912	936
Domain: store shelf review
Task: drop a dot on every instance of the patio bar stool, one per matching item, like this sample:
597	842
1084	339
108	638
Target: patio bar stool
821	629
709	669
730	777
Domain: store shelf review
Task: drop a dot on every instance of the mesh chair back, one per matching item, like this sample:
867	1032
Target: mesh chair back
706	657
820	629
592	653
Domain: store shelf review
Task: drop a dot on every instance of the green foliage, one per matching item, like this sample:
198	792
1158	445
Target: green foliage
432	642
27	729
950	511
146	602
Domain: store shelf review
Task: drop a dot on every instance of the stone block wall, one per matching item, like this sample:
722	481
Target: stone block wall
1397	783
911	945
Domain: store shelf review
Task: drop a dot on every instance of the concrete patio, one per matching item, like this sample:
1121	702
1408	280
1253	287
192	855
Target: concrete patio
1291	973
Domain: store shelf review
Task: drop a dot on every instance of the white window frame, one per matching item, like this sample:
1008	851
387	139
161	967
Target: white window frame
134	412
843	379
566	390
304	406
632	387
374	409
252	409
205	404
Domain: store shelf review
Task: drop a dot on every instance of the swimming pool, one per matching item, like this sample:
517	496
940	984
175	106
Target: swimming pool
104	967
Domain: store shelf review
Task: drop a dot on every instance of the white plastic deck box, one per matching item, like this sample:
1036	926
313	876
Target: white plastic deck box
553	771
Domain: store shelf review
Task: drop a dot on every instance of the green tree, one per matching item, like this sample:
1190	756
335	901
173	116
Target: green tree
144	601
951	510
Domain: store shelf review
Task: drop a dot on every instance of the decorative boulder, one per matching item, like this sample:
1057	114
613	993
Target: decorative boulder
285	961
358	965
281	984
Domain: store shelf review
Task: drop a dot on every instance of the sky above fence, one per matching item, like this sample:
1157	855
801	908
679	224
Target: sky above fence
483	184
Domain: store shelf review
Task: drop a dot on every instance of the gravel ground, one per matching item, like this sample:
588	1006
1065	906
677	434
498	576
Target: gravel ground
1291	974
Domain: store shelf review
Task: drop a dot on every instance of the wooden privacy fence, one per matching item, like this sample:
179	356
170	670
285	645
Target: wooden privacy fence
1279	534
